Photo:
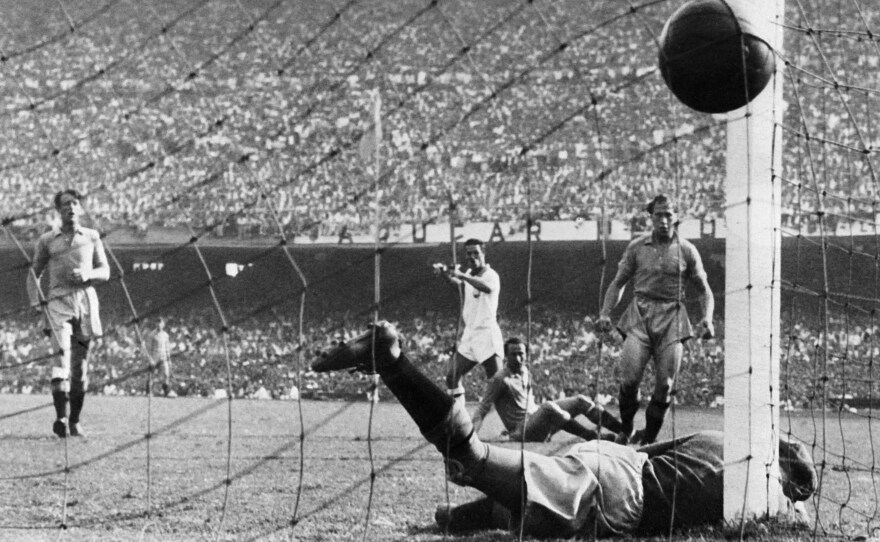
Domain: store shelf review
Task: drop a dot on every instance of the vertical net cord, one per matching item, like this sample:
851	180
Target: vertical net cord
603	239
303	283
775	241
822	227
680	289
529	391
300	341
377	296
872	345
812	176
872	319
866	157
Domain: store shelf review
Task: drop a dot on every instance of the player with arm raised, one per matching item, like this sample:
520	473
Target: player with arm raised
481	342
595	488
510	393
75	259
655	325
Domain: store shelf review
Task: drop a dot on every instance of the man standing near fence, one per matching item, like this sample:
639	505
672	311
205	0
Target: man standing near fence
481	342
160	357
74	256
655	324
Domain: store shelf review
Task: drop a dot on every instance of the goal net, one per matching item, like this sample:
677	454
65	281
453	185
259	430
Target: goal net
270	176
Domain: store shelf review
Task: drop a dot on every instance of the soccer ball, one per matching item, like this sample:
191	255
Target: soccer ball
711	58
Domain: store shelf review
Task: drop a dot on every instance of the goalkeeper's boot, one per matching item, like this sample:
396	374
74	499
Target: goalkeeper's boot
367	353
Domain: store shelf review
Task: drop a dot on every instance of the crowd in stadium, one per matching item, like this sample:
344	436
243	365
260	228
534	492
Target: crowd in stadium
204	155
199	153
264	359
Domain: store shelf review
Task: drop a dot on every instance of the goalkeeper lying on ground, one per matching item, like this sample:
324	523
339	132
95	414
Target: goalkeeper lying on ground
596	487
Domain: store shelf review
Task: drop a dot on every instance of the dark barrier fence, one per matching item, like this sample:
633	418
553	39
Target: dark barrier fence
565	276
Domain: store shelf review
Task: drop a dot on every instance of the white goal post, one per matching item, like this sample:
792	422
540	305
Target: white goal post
752	325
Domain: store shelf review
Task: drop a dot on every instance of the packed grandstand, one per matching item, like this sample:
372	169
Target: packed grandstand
239	126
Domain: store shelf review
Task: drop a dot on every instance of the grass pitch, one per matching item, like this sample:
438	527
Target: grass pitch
173	486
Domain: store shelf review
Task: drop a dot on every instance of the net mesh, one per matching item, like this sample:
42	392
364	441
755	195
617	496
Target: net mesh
201	126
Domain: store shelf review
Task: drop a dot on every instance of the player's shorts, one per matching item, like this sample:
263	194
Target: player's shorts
480	344
656	323
79	306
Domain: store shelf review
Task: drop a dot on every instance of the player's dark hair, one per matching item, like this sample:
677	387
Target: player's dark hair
661	199
71	191
474	242
514	340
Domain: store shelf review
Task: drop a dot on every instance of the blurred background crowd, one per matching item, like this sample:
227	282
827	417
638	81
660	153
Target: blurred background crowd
269	360
246	120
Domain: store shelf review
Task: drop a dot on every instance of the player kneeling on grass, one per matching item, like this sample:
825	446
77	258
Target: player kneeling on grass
510	393
596	487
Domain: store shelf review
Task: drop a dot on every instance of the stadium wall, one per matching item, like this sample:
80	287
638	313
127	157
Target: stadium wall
565	276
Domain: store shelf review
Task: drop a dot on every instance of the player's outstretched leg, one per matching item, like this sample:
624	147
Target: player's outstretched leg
562	415
494	470
583	405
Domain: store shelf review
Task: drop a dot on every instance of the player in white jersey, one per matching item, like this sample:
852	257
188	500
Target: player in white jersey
481	342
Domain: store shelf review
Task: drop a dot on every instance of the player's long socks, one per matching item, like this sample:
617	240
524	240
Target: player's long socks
493	470
628	399
578	429
654	416
77	398
59	397
600	417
